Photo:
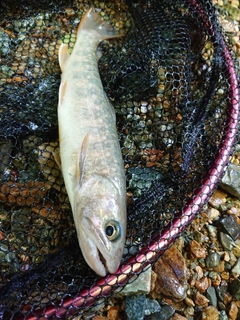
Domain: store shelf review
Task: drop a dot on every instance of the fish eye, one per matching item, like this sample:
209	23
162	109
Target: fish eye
112	230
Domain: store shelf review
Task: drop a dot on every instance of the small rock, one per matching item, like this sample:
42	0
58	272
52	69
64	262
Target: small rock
233	311
177	316
141	285
151	306
200	300
171	275
218	197
165	314
236	249
223	315
231	180
236	268
221	291
231	226
135	306
213	214
189	302
226	241
113	313
210	313
202	284
212	260
211	296
234	288
196	250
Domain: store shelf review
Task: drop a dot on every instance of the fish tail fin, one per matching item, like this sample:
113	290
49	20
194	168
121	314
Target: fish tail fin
92	21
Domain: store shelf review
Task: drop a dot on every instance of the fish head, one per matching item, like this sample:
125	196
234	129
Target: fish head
100	217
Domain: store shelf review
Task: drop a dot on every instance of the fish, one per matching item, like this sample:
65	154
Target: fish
90	153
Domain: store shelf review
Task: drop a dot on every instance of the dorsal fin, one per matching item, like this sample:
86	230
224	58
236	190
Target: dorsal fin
63	55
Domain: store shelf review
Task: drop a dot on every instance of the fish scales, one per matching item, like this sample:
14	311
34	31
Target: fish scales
91	158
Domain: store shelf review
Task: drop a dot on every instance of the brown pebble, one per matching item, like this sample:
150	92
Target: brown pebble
99	318
210	313
227	298
196	250
112	313
2	235
177	316
189	302
221	267
233	311
153	280
171	275
202	284
200	300
218	198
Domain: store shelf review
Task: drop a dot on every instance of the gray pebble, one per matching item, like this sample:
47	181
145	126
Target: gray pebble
226	241
231	226
236	268
222	315
234	288
212	260
221	291
151	306
166	313
211	296
135	307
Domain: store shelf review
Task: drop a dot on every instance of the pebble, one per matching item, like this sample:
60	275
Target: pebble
177	316
212	260
236	268
218	198
196	250
171	275
233	311
211	296
210	313
200	300
231	226
231	180
234	288
223	315
151	306
221	291
202	284
135	307
226	241
166	313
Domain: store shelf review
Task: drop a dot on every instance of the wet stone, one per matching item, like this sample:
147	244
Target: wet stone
166	313
212	260
151	306
231	226
135	306
236	268
226	241
210	313
231	180
234	288
221	291
223	315
211	296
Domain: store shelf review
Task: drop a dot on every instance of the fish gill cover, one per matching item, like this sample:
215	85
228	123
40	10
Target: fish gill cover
173	84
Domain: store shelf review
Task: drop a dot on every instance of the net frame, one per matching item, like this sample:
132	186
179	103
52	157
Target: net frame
135	265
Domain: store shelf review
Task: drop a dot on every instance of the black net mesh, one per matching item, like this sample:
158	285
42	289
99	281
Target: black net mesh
174	87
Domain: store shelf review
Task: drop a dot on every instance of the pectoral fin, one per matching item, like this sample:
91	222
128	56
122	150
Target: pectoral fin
57	159
82	158
63	55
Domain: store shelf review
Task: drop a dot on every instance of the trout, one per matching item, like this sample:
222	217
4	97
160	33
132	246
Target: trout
90	154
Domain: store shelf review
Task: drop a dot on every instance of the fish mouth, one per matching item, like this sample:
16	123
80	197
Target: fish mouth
96	250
